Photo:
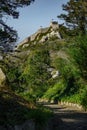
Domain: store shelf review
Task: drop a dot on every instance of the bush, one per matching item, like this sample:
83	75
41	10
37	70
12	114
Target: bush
75	98
55	91
40	115
84	98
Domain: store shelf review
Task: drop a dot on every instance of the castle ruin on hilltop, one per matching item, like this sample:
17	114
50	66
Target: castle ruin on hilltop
54	27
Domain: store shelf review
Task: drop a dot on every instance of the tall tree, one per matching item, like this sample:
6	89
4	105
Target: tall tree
76	16
9	8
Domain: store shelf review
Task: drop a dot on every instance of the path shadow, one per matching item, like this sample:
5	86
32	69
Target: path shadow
70	119
12	109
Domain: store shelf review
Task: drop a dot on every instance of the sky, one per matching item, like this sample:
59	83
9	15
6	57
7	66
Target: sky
38	14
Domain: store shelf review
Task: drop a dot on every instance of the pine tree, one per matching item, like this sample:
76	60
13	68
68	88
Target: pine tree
76	16
9	8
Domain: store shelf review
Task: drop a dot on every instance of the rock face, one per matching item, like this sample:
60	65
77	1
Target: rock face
2	77
1	58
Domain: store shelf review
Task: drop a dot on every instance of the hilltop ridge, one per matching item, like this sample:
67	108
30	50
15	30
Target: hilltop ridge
42	35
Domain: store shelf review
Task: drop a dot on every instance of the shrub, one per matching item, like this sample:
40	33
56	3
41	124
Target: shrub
84	98
55	91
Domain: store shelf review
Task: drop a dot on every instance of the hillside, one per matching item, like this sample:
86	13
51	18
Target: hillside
17	104
49	66
45	66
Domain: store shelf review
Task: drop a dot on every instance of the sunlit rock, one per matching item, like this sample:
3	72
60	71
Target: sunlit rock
2	77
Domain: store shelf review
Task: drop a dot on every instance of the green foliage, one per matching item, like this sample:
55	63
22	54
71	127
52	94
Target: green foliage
35	74
28	96
75	17
13	78
40	115
79	53
75	98
74	72
16	110
71	64
55	91
64	31
84	97
13	74
34	80
54	44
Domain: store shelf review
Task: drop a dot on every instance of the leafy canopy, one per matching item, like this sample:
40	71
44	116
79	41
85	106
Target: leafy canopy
76	15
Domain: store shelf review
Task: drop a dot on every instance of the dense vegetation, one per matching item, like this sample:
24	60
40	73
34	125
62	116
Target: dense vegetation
71	84
33	78
30	71
75	16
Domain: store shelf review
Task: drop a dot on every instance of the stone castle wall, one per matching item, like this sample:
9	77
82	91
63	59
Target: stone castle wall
54	26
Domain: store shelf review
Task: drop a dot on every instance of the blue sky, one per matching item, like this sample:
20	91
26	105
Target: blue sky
39	13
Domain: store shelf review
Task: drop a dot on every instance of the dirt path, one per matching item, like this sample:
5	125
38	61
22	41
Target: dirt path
71	118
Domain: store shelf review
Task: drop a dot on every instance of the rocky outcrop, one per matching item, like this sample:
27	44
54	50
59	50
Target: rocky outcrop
2	77
1	58
40	31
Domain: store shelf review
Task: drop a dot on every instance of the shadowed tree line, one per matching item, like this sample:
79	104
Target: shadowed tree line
9	8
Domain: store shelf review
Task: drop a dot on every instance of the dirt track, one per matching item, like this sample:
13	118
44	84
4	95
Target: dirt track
71	118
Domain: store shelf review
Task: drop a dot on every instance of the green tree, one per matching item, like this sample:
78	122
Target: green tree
79	54
8	8
76	16
35	73
13	80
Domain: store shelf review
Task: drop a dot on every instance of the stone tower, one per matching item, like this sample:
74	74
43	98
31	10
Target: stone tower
54	25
